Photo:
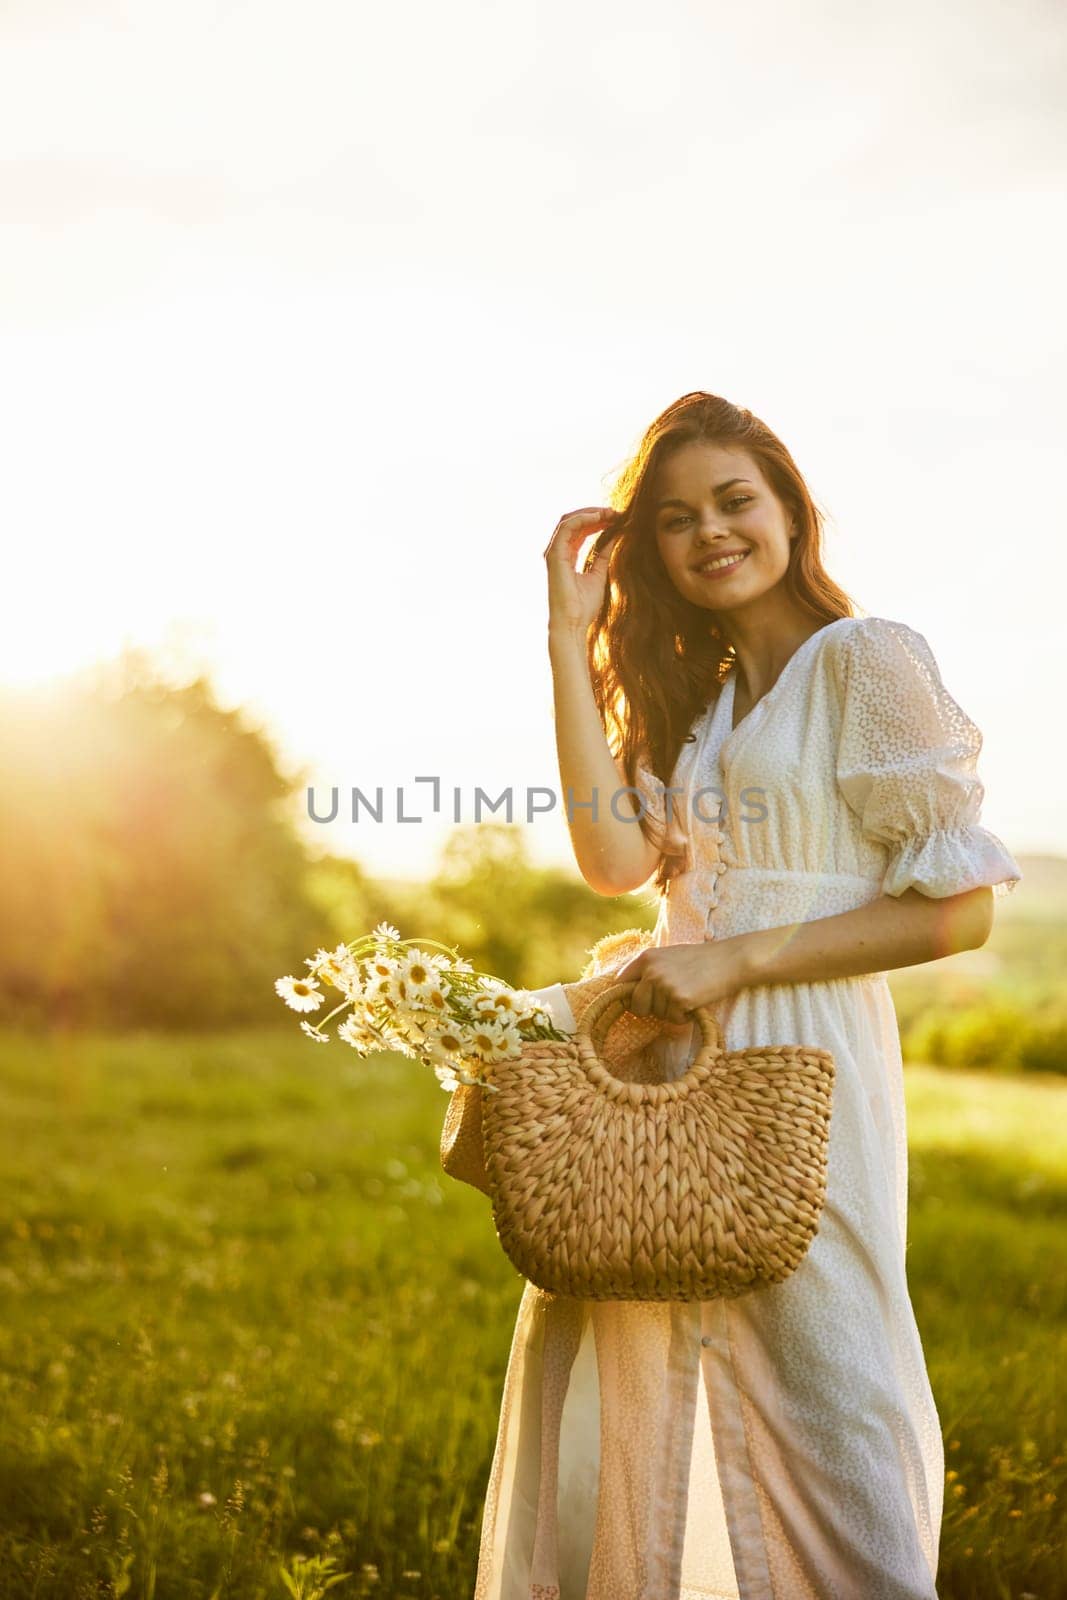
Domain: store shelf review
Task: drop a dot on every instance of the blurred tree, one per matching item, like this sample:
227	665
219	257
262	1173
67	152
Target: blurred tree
151	871
349	903
530	926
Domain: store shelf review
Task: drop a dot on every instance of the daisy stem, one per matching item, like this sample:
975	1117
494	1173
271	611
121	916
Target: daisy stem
334	1012
370	942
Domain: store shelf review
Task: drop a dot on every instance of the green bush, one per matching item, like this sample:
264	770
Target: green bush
995	1035
1043	1047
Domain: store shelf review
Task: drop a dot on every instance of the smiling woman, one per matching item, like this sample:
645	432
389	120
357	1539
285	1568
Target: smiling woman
784	1442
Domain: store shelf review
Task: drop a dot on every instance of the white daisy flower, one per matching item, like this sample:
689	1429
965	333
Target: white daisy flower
490	1000
385	993
464	1075
355	1030
383	971
339	968
315	1033
513	1039
528	1008
489	1041
410	1028
385	930
397	1028
299	993
401	1036
450	1079
435	1001
419	974
444	1044
507	1006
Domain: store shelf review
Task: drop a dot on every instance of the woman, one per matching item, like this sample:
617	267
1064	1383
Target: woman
822	830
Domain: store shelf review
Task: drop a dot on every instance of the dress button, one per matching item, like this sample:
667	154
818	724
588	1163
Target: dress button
707	1339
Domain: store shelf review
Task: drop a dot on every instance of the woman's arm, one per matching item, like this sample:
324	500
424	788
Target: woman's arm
892	931
612	853
672	980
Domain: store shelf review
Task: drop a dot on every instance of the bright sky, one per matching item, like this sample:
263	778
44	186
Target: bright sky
314	320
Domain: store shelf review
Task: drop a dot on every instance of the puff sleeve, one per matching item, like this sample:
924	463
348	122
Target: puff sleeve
907	766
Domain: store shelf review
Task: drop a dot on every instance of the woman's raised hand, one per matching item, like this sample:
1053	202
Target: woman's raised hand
574	598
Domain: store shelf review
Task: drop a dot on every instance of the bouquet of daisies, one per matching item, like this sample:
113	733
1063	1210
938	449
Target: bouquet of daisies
420	998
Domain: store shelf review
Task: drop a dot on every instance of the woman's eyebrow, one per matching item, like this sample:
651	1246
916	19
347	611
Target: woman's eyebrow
718	489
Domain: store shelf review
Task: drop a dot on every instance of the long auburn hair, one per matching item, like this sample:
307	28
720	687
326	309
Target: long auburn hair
655	658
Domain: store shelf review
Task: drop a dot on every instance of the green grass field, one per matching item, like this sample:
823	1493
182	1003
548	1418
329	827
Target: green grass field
249	1324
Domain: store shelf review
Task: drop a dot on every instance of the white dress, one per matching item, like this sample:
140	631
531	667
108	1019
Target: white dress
783	1445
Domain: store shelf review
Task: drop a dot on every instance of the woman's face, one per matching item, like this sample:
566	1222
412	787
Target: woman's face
718	505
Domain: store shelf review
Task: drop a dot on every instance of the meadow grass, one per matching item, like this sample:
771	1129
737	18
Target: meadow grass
251	1329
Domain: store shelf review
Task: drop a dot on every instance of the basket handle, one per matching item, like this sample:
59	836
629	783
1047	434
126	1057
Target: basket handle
605	1010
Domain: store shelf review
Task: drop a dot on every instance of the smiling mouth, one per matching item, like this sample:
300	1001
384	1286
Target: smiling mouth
721	564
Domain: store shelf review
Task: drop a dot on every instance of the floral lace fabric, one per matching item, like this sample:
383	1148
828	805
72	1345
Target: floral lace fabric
783	1445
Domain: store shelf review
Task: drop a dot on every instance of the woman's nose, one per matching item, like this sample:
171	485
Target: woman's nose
707	529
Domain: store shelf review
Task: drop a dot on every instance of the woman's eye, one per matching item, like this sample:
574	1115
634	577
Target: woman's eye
735	500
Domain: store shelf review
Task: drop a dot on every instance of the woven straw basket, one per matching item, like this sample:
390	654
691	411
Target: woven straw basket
699	1188
462	1146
